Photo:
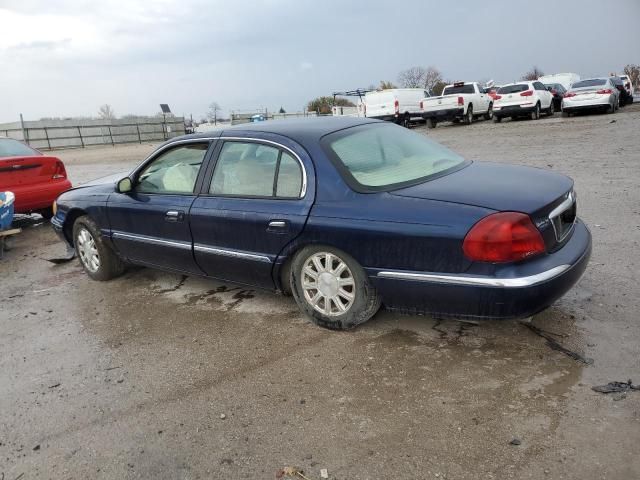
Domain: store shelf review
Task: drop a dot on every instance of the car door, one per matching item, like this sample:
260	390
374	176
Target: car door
149	224
484	99
545	95
253	203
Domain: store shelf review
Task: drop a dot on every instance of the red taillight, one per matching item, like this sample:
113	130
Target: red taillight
503	237
396	105
497	97
460	101
421	105
604	91
569	94
527	93
60	171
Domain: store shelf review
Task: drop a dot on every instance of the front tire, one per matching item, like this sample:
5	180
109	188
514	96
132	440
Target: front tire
551	110
332	289
96	257
535	115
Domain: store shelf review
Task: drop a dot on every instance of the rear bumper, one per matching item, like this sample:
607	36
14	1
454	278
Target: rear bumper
444	115
571	105
30	198
508	110
513	291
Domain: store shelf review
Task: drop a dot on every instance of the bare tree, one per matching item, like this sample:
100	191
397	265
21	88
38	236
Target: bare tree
533	74
412	77
633	71
420	77
432	77
106	112
385	85
214	109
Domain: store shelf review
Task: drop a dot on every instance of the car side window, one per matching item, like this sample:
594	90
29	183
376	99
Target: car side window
289	182
250	169
174	171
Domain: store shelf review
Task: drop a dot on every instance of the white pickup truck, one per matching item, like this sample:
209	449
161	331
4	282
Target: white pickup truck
459	101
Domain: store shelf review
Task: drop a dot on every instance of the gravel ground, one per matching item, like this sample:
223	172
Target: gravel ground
157	376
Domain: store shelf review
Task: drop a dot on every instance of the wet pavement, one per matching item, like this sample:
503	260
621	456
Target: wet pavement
154	375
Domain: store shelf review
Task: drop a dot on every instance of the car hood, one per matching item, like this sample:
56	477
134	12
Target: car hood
495	186
107	180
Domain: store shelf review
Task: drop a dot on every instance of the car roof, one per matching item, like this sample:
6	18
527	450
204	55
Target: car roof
301	130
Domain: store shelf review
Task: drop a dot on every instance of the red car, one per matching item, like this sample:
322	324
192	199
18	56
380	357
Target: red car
35	179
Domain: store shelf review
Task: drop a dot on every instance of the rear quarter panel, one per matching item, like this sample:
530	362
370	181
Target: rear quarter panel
382	231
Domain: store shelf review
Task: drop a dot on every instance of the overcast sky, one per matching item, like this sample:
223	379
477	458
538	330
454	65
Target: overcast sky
67	57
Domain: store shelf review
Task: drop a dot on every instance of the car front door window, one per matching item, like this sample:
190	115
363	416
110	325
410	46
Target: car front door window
173	172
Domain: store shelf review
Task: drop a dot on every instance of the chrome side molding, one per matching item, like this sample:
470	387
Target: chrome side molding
468	280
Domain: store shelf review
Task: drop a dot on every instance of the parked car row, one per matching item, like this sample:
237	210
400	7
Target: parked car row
467	101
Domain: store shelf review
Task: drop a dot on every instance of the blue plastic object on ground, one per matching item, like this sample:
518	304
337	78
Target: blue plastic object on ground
6	210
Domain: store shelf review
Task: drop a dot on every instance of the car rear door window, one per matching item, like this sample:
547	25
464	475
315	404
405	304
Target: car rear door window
174	171
251	169
289	183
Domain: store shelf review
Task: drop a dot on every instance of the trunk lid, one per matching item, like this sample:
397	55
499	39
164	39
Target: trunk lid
536	192
28	170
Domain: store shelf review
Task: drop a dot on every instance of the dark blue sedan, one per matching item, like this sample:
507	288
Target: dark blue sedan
345	214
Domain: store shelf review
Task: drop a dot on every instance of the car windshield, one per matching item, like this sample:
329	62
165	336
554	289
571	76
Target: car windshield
520	87
455	90
594	82
384	157
13	148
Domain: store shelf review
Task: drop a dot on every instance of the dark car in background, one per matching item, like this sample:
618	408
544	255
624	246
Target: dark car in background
625	97
344	213
558	92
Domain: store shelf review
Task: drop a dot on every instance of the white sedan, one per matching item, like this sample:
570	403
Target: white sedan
591	94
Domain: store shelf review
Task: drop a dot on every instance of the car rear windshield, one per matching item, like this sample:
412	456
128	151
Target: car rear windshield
384	156
13	148
521	87
453	90
594	82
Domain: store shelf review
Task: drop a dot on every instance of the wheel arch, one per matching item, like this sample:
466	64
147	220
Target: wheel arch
69	220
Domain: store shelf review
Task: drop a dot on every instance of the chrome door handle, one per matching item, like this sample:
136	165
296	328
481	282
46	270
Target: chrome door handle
174	216
278	226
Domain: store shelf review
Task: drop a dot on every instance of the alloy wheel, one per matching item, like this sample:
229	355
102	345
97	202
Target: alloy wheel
87	250
328	284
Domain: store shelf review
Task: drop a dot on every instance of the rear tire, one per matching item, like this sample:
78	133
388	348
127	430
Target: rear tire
332	289
96	257
431	123
47	213
468	118
406	121
497	119
611	108
489	114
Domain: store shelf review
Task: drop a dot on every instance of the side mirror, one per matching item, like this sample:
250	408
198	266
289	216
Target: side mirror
125	185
